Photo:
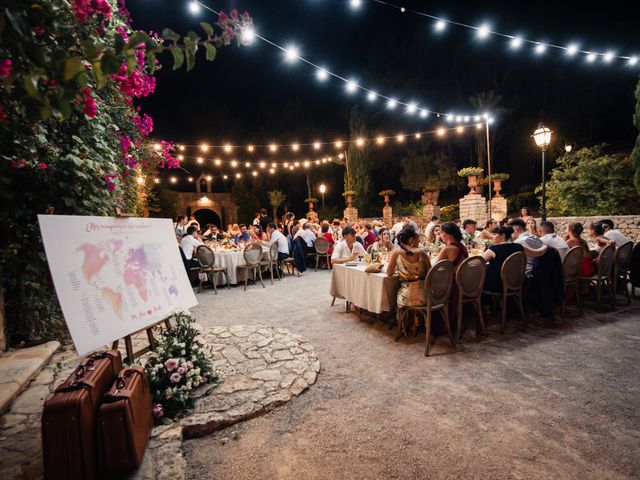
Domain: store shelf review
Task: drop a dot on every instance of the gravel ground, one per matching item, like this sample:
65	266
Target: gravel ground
557	402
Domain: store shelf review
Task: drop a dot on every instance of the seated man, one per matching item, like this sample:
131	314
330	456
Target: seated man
276	236
347	249
552	239
490	229
188	244
243	235
213	233
613	234
533	246
308	236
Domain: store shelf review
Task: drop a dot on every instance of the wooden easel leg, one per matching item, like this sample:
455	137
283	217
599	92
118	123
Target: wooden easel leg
129	347
152	341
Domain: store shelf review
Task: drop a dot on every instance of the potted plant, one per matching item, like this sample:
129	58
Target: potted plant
497	179
386	194
311	201
349	194
472	174
430	193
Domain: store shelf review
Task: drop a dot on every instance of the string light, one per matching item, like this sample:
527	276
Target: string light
440	25
181	148
295	147
291	53
190	179
338	144
238	175
351	86
371	96
228	148
194	7
322	74
516	42
217	161
360	142
540	48
392	103
157	146
199	159
380	140
254	173
250	148
483	31
272	171
225	177
355	4
204	148
591	57
181	157
263	164
209	178
140	180
316	145
156	180
234	163
632	61
400	138
273	148
247	164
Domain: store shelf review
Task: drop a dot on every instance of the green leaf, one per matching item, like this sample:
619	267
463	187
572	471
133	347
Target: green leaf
191	58
169	34
72	67
193	36
120	44
178	57
109	63
207	28
136	38
30	84
211	52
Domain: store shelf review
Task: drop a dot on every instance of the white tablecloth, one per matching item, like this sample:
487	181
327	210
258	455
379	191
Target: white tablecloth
375	292
232	259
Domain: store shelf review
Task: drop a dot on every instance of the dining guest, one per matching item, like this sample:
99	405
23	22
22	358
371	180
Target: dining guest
213	233
574	239
533	246
325	232
308	236
384	241
411	264
347	249
265	219
501	248
435	220
532	227
243	235
274	235
596	232
188	244
552	239
256	233
525	214
290	221
181	225
435	236
612	233
368	236
489	230
256	220
455	252
399	225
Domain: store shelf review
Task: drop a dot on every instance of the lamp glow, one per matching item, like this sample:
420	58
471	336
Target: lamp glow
591	57
632	61
247	164
234	163
355	4
371	96
204	147
360	142
228	148
238	175
247	35
217	161
380	140
483	31
180	157
295	147
608	57
157	146
338	144
225	177
418	136
156	180
190	179
411	108
199	159
250	148
460	129
440	132
568	148
516	42
540	48
254	173
542	136
400	138
173	179
181	148
273	147
440	25
316	145
140	180
209	178
291	53
351	86
424	113
194	7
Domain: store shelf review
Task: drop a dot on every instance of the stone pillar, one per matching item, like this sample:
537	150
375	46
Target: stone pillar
474	207
498	208
351	214
429	211
387	215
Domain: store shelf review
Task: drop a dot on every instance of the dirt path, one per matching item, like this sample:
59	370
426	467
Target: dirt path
559	403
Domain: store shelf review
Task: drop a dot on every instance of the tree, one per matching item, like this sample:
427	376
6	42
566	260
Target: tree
276	198
244	195
359	169
485	102
420	170
588	182
635	155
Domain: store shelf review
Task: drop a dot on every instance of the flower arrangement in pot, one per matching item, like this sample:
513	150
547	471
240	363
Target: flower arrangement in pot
430	193
311	201
386	194
349	194
472	174
497	179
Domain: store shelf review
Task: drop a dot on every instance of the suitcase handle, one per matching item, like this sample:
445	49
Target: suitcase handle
120	384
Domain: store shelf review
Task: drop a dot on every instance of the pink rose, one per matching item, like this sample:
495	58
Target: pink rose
42	166
5	67
182	370
175	377
158	411
171	364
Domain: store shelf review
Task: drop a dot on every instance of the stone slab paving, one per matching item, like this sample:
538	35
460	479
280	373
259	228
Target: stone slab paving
261	367
18	367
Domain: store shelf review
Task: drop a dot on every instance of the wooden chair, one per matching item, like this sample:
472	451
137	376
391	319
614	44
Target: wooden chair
272	261
322	248
621	266
252	256
290	266
437	292
512	275
470	280
206	259
571	269
604	277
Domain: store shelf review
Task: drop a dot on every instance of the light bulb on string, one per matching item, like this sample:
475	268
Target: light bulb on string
247	164
194	7
190	179
466	118
591	57
238	175
181	148
371	96
234	163
572	49
322	74
400	138
340	156
411	108
217	161
459	118
173	179
296	164
228	148
290	167
157	147
273	147
424	113
479	126
440	25
199	159
540	48
156	180
483	31
355	4
295	147
140	180
263	164
338	144
209	178
380	140
285	164
225	177
181	157
360	142
418	136
317	162
516	42
450	117
460	129
291	53
306	163
351	86
441	132
392	103
272	171
274	165
316	145
204	147
254	173
608	57
632	61
250	148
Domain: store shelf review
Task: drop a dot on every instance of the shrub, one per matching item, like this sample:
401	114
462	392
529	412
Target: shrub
450	213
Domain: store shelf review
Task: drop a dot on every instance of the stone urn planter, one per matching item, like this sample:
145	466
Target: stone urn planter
386	194
497	186
311	202
472	174
430	197
349	194
497	179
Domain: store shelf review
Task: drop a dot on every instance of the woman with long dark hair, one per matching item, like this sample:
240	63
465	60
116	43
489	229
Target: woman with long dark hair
574	239
496	254
455	252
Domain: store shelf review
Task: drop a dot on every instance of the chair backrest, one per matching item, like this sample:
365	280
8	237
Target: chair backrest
572	263
470	276
438	282
273	251
322	245
252	253
605	260
512	271
622	259
204	255
178	238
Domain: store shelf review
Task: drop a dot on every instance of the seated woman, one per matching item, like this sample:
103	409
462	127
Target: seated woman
435	235
412	265
256	233
455	252
326	233
496	254
532	227
489	230
596	232
384	241
574	239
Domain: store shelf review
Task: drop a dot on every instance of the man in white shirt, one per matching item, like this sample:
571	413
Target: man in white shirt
533	246
552	239
613	234
347	249
188	244
307	234
276	236
435	220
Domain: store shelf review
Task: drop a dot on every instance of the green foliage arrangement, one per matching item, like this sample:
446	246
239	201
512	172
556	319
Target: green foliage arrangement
450	213
499	176
387	192
470	172
431	187
349	193
589	182
311	200
180	364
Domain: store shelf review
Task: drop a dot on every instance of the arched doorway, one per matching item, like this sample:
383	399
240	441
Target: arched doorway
205	216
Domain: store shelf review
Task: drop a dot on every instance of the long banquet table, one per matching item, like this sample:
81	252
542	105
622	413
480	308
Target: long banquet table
375	292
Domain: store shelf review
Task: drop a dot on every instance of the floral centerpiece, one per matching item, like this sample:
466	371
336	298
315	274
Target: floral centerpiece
180	364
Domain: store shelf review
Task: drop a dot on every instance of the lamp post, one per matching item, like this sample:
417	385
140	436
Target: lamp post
542	137
323	189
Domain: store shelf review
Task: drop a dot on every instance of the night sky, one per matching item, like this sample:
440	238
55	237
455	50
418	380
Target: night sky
250	95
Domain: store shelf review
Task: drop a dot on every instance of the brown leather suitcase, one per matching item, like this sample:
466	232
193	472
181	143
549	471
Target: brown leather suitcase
69	418
125	420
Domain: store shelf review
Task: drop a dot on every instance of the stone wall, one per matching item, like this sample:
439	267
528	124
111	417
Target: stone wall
473	206
387	215
629	225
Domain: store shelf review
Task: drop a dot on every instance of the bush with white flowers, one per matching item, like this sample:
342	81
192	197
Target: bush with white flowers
180	364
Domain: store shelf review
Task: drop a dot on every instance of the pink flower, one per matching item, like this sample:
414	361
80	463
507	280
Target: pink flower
171	364
42	166
158	411
109	181
144	124
5	67
234	14
19	163
90	107
182	370
222	18
125	143
175	377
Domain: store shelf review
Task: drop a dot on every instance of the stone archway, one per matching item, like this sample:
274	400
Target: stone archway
205	216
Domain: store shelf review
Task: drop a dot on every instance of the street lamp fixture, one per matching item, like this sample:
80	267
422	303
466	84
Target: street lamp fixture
323	189
568	148
542	137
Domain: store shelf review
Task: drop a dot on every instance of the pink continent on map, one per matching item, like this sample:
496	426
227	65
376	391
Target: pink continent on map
94	260
135	272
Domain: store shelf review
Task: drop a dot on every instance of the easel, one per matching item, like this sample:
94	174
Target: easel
128	344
